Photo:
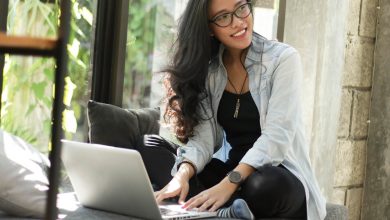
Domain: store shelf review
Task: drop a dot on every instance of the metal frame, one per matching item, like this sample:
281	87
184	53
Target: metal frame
61	55
109	52
3	27
58	50
27	46
281	20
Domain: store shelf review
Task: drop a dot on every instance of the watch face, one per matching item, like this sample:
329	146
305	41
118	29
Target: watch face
235	177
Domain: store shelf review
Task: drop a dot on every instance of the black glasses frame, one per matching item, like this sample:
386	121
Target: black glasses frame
231	15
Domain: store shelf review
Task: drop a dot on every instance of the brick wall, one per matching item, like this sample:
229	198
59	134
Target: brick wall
355	104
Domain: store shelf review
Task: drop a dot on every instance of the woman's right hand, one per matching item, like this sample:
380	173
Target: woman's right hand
178	186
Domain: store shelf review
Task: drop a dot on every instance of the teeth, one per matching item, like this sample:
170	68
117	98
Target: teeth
239	33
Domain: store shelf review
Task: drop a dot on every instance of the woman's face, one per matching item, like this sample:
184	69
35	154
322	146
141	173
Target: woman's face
238	33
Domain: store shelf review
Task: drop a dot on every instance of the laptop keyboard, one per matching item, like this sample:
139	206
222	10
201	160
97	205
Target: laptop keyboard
169	212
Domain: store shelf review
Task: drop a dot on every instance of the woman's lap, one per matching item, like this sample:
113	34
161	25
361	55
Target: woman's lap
270	191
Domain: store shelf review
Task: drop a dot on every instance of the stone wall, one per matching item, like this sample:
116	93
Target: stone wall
338	128
355	104
376	198
319	36
265	3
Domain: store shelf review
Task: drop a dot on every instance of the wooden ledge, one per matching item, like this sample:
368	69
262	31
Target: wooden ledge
27	45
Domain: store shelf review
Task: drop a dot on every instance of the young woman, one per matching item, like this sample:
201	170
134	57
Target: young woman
226	80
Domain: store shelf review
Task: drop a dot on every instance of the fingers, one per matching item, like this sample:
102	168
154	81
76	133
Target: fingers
183	195
174	188
195	201
203	203
206	200
208	203
216	206
161	196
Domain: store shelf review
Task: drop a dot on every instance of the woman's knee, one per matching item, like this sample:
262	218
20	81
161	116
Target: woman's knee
272	191
266	181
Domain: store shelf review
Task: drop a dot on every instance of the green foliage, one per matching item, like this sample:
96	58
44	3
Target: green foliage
79	49
28	81
140	44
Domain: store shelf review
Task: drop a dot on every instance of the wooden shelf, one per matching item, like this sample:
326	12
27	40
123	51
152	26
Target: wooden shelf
27	45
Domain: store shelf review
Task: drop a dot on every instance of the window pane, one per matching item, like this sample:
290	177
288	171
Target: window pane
79	69
27	96
266	18
27	100
151	30
28	81
32	18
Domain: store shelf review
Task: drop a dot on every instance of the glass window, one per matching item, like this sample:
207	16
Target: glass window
151	32
77	91
266	18
28	83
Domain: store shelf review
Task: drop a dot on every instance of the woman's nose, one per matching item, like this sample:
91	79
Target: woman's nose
237	22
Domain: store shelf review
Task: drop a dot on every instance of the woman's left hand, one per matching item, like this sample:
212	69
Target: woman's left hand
212	198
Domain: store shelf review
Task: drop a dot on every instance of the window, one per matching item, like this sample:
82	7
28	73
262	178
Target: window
266	18
28	81
27	96
150	34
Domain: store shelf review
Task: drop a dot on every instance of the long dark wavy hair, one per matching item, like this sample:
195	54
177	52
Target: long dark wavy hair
194	49
187	72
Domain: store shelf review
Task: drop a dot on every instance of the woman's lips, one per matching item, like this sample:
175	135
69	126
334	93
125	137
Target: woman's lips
240	33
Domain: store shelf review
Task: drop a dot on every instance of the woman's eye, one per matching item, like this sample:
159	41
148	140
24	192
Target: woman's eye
241	9
224	17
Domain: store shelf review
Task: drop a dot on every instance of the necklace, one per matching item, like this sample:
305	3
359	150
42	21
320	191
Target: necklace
238	96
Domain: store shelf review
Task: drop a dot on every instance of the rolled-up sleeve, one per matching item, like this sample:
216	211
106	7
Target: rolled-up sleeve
282	114
200	147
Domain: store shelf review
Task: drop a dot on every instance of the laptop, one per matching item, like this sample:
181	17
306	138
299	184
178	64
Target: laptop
115	180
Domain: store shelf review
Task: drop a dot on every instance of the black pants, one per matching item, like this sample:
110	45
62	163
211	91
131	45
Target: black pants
270	191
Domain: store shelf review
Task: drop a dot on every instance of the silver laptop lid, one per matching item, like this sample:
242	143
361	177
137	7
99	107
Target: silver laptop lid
101	176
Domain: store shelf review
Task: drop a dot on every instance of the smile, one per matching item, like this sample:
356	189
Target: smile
239	34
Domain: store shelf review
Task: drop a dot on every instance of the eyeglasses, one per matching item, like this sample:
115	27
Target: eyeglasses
226	19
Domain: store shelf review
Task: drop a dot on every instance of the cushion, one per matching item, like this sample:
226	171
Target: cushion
118	127
115	126
24	181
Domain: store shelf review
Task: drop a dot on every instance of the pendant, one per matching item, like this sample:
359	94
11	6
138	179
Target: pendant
237	108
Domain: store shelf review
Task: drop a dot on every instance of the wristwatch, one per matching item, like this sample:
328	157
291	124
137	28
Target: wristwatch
235	177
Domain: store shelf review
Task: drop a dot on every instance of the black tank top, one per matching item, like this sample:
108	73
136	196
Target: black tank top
243	131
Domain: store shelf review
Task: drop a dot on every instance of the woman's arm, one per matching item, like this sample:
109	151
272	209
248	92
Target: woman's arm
283	113
191	158
178	185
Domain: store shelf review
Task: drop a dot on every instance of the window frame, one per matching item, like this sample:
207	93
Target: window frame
281	20
109	51
3	28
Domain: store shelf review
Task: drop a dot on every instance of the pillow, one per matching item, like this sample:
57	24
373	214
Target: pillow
115	126
118	127
24	181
